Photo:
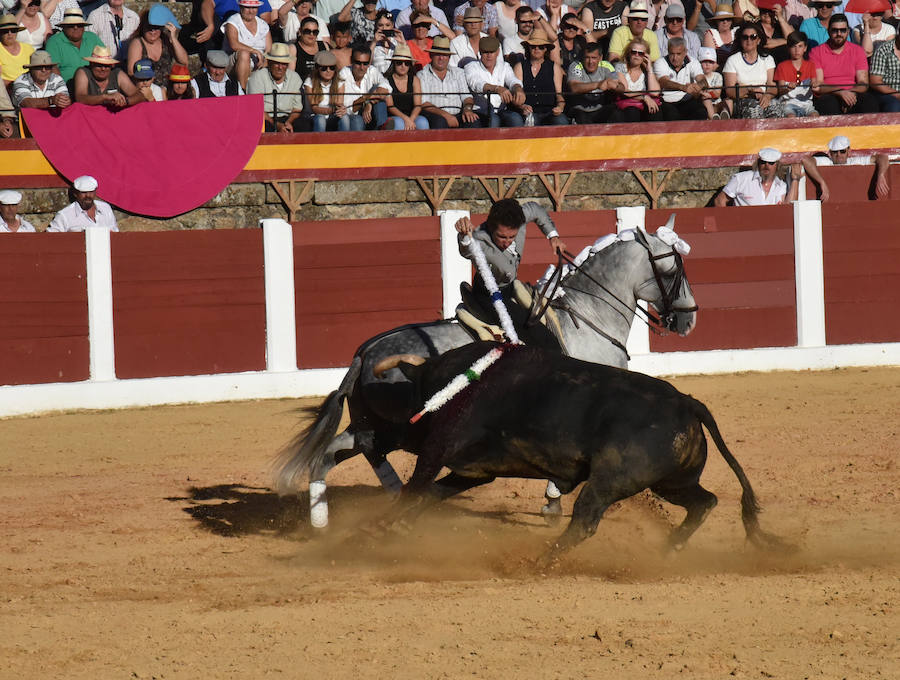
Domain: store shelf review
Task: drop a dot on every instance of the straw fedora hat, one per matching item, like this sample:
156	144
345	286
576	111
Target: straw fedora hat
40	58
401	53
101	55
723	11
8	21
73	17
537	38
279	53
440	45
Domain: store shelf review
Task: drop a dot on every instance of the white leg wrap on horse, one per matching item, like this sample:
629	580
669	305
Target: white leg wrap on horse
318	505
388	477
552	491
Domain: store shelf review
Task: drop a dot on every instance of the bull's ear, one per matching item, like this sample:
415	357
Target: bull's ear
411	371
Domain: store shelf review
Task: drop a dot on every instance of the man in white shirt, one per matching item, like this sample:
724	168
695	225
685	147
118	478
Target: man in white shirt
114	24
760	186
512	45
839	154
497	91
86	211
365	88
678	76
10	222
465	45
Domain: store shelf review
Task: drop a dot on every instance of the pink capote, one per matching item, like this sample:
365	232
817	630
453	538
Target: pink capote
156	158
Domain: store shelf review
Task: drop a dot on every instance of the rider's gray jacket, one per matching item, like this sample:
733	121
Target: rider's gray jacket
504	264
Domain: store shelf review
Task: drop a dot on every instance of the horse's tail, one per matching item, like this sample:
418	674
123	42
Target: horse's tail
306	451
750	508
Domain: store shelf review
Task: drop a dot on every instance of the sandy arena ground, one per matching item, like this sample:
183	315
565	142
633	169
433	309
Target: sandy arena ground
145	544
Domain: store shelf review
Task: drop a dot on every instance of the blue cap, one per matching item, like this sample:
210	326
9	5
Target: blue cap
143	69
160	15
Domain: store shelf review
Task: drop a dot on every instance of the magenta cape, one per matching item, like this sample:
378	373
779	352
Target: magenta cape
157	158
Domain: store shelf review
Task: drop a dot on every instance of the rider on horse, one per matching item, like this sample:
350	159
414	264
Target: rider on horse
502	239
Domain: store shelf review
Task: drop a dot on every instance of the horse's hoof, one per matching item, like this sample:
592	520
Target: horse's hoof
552	512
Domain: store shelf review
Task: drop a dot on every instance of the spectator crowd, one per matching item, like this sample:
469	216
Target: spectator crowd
420	64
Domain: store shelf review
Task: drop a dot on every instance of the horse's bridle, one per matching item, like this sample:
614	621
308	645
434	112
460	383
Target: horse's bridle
666	319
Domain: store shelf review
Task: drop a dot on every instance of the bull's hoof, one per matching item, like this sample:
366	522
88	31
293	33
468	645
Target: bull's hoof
552	512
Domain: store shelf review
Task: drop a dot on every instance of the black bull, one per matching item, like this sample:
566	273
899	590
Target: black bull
540	415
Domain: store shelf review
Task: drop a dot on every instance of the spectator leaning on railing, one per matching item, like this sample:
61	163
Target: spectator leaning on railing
542	81
445	99
39	87
103	83
593	82
364	91
281	110
761	185
213	81
843	72
497	91
682	81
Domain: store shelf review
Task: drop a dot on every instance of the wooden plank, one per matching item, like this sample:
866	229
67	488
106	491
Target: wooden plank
759	294
341	232
32	361
739	269
861	322
365	254
734	329
883	288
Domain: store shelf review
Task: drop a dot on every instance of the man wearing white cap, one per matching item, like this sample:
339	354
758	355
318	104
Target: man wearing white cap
10	222
839	154
86	211
760	186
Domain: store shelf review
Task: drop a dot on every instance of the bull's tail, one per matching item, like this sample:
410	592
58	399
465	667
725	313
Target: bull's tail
306	451
750	508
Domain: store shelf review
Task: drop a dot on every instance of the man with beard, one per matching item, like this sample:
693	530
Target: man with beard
86	211
839	63
761	185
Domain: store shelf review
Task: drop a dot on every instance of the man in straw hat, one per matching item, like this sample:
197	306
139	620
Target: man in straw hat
103	83
465	45
761	185
40	87
281	110
10	222
13	54
498	92
70	47
488	13
86	211
446	101
636	27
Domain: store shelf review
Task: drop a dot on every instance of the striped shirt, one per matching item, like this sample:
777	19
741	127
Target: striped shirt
24	88
447	94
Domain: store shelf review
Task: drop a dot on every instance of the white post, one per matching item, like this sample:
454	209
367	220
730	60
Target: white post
633	217
454	267
100	305
281	324
809	271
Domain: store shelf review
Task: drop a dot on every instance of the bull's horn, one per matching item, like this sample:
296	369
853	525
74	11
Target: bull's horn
390	362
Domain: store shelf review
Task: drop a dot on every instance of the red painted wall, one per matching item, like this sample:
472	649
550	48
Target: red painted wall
862	277
355	279
741	269
188	303
849	183
43	304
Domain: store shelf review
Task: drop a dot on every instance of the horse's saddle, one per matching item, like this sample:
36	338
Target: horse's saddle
473	315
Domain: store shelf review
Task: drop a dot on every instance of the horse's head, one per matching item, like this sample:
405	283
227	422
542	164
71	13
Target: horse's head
667	287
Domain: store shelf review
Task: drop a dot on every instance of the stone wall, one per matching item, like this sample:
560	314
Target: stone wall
241	206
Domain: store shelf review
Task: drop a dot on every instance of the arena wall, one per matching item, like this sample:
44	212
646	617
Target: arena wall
140	319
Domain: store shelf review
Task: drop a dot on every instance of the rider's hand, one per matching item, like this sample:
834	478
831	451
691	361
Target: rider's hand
557	245
464	226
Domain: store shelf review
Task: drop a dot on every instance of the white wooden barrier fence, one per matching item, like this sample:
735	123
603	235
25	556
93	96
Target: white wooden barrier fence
282	378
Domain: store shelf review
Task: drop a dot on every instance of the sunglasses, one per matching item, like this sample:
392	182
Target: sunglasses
842	151
327	68
309	31
639	53
762	162
526	21
40	68
4	31
838	30
361	63
422	25
749	37
538	47
674	20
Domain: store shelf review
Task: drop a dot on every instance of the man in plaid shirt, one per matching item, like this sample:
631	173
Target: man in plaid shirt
884	74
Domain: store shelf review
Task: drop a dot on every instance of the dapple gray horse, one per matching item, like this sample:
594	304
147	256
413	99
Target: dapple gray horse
595	313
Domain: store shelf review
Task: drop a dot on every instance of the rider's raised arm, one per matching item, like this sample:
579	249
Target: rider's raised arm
535	212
